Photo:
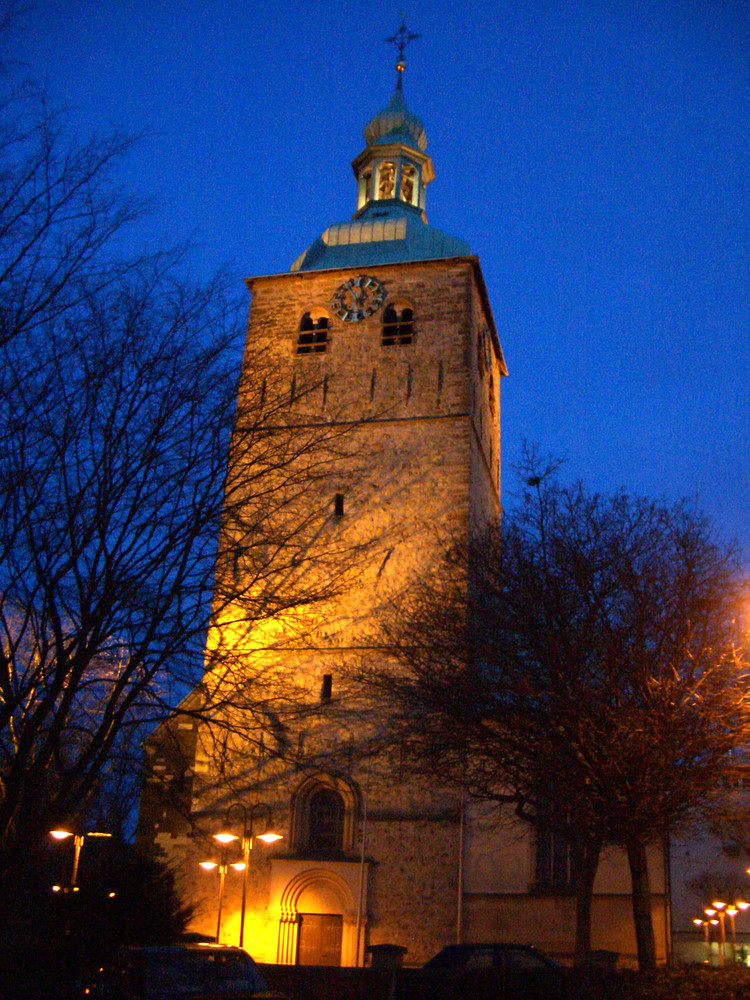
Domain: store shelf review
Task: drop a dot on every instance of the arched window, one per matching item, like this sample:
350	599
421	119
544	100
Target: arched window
313	332
398	324
387	180
325	822
324	811
409	183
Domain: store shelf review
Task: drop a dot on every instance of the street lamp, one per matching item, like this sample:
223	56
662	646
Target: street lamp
720	908
78	839
712	919
222	865
732	912
705	924
269	836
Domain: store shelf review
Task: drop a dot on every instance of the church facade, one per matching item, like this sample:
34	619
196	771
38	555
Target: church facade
382	333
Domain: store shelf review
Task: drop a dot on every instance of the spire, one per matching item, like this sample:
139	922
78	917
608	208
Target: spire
395	123
401	39
392	171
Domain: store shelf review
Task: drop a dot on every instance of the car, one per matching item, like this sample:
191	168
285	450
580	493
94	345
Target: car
193	971
484	971
470	957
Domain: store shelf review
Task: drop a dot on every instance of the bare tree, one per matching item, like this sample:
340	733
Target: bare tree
61	212
119	378
583	662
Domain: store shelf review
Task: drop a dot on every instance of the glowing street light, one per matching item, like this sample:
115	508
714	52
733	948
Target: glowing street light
720	907
269	836
78	839
209	866
732	912
705	924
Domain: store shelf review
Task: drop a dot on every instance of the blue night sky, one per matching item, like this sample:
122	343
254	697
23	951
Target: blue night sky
594	156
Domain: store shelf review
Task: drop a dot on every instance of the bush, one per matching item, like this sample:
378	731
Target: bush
689	983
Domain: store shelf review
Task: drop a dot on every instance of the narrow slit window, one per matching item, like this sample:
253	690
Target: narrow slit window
338	505
326	689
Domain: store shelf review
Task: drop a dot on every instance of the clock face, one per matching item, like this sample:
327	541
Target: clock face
357	298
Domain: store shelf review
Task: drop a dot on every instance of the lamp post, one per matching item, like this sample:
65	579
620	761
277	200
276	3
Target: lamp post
705	925
720	908
743	906
715	923
247	840
78	839
222	866
712	919
732	912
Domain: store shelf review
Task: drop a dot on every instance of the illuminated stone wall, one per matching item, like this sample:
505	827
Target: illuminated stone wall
414	452
417	462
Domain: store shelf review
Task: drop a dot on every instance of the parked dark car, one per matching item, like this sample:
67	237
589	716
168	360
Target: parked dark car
181	972
493	972
491	956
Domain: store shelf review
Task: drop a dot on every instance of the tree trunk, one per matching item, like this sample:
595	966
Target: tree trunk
641	895
586	861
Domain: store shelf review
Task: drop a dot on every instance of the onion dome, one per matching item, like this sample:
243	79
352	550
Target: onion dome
396	124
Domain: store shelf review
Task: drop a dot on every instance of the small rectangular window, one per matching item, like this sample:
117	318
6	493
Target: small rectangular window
327	687
338	505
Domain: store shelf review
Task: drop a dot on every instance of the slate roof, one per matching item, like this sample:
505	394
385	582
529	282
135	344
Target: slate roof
386	232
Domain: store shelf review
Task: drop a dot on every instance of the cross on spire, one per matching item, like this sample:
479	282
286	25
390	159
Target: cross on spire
401	39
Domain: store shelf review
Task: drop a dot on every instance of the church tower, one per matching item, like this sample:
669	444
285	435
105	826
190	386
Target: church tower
379	350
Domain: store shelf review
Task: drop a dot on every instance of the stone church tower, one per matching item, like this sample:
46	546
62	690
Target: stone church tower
381	350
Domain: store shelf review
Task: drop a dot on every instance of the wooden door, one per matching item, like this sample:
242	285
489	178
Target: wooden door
320	939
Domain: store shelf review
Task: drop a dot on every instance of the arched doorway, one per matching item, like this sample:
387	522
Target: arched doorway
320	921
318	918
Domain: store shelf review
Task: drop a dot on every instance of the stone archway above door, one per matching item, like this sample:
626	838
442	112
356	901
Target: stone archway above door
324	890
